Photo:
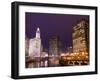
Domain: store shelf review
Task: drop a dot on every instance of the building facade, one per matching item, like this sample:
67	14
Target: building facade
54	51
80	37
35	50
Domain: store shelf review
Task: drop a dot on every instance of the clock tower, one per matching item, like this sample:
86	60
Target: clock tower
38	33
35	49
35	45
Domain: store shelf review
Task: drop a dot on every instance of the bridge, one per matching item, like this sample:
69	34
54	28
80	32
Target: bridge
62	61
74	60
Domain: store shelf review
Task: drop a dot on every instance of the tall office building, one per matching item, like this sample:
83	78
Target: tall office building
35	45
54	49
81	36
35	49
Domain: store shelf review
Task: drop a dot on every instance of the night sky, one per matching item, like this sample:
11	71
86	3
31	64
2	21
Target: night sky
52	25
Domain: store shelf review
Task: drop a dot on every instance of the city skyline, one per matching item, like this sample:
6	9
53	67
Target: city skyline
52	25
76	54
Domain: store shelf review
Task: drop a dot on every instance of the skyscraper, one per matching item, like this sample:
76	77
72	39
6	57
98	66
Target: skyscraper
53	51
35	45
35	49
81	36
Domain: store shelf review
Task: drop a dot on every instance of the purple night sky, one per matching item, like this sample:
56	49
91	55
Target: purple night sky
52	25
